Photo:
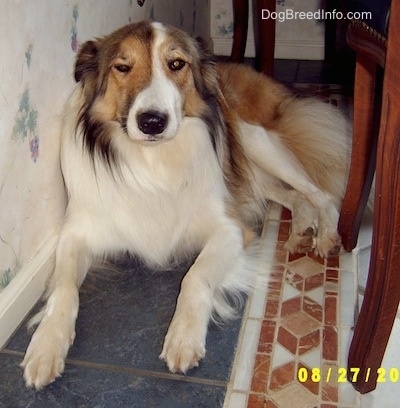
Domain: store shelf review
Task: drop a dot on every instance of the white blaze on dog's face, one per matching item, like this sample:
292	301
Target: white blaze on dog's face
157	111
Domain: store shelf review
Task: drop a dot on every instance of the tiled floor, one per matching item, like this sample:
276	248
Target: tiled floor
114	361
296	334
298	325
287	351
297	360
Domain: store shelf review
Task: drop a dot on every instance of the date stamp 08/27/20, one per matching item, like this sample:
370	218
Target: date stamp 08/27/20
342	375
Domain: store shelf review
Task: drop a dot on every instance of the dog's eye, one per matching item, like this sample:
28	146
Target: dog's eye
176	65
124	69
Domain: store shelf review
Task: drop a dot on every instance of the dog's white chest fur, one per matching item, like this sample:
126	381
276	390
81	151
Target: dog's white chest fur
163	196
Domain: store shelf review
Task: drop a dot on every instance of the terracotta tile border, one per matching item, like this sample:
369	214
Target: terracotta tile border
268	379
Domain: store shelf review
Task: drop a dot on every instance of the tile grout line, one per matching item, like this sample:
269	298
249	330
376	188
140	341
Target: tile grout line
329	363
130	370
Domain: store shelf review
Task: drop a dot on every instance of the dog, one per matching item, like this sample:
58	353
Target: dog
167	153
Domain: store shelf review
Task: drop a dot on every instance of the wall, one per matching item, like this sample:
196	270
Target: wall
192	16
39	41
295	38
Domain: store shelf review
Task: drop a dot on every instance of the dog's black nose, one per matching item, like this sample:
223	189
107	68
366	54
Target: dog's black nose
152	122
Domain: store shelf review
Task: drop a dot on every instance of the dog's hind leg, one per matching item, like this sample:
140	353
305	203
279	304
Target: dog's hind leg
304	228
303	235
267	151
46	353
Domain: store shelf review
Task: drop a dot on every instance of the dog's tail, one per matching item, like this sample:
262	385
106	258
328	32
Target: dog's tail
251	277
320	136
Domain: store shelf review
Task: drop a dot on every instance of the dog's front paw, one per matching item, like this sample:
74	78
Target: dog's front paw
183	348
45	356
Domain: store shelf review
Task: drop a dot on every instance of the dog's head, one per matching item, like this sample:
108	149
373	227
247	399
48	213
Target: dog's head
144	77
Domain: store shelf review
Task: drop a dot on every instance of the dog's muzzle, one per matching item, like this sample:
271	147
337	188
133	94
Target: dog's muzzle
152	122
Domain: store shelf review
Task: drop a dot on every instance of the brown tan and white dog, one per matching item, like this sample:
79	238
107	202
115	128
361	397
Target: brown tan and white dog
166	153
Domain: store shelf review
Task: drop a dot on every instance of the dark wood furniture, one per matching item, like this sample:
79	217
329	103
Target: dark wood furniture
382	294
370	43
264	33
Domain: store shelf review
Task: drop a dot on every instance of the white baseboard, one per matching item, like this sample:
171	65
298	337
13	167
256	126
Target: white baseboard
299	50
18	298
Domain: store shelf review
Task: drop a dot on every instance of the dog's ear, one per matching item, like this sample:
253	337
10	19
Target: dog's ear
206	78
203	45
206	82
87	64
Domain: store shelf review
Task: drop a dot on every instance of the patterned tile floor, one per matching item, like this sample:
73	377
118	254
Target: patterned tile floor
298	335
295	336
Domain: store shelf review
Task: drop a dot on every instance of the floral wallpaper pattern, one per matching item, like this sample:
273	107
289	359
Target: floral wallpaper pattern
26	125
74	30
36	63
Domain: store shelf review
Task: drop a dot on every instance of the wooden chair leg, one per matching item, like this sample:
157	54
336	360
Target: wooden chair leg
264	31
363	156
265	37
382	294
240	27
